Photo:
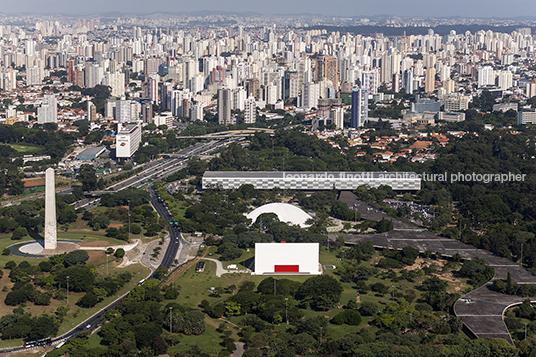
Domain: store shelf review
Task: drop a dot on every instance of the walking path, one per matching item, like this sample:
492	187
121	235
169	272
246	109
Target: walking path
482	309
220	270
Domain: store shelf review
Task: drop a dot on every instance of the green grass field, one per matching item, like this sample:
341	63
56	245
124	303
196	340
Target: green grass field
194	288
28	149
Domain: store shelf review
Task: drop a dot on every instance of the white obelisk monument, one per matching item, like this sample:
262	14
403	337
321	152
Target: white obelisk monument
51	239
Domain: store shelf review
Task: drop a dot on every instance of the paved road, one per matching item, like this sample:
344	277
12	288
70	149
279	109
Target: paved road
482	309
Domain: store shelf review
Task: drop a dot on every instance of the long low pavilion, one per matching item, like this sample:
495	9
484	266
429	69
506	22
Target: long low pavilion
311	180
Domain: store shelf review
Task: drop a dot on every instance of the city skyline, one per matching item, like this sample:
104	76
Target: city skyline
341	8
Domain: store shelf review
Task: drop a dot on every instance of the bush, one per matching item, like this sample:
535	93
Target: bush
349	317
369	308
120	253
379	288
389	263
6	251
77	257
19	233
338	319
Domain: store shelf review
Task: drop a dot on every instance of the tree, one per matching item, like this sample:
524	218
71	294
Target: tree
159	346
81	278
320	292
120	253
19	233
99	222
76	257
67	215
434	284
189	323
87	177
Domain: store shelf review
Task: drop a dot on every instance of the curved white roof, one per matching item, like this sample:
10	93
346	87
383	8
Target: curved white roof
285	212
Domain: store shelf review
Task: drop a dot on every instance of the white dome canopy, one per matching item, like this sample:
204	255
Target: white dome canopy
285	212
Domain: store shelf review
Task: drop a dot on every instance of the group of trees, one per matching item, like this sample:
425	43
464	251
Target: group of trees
507	286
141	215
48	280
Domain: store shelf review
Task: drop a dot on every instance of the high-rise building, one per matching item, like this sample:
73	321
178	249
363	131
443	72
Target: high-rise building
359	107
395	86
91	111
224	107
326	67
116	81
310	96
337	118
250	111
152	88
270	92
48	111
239	98
530	90
196	84
70	70
429	86
407	81
122	111
289	86
505	80
196	113
454	103
127	140
254	87
370	80
486	77
147	113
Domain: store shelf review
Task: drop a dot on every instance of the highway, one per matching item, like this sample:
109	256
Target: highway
155	171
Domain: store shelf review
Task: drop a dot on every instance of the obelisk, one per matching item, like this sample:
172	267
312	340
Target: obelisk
51	239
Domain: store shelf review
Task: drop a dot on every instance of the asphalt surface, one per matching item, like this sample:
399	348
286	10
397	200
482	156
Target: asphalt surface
482	309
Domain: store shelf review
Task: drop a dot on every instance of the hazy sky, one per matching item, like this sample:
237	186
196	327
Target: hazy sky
438	8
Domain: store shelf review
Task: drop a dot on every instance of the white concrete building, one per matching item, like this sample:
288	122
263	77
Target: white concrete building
196	113
250	111
48	111
486	77
287	258
127	140
122	111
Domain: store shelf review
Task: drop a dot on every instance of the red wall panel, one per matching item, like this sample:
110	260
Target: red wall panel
286	268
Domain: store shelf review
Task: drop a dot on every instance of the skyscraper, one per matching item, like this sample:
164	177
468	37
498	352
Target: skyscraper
48	111
250	111
429	86
224	107
359	107
122	111
486	77
152	88
407	81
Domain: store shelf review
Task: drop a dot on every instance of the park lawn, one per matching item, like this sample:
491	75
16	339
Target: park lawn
194	285
80	230
94	340
28	149
76	314
208	342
